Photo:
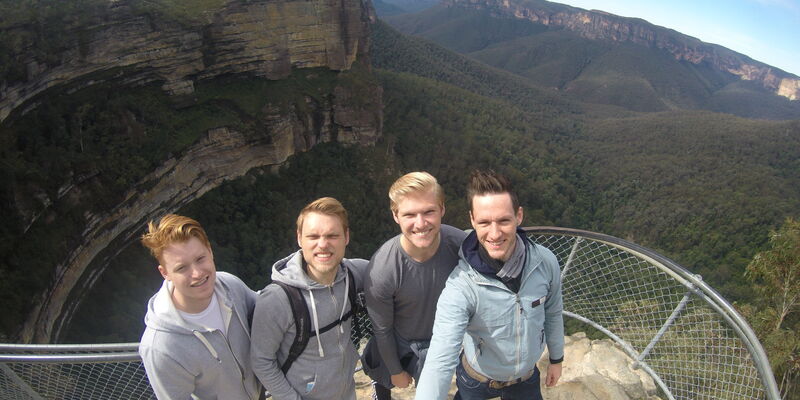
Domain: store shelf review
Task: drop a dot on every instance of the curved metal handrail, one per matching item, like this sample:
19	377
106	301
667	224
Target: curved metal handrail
100	371
693	283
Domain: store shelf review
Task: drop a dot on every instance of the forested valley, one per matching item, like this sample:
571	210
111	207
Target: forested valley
718	193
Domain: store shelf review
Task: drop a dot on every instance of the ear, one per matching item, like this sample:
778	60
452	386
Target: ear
163	271
299	242
347	237
471	219
396	218
443	209
520	216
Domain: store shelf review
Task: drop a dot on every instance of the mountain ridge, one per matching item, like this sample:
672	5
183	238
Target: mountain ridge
593	24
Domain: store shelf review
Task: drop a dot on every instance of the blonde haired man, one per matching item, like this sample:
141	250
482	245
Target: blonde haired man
197	340
406	276
322	368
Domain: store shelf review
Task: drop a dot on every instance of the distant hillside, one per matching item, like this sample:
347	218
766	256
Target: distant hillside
595	63
393	7
703	188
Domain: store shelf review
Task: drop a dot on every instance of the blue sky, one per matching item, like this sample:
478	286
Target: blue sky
765	30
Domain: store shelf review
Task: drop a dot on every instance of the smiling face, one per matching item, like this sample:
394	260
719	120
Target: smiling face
323	240
495	222
190	267
420	218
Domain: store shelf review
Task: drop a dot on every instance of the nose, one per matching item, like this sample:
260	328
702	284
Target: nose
196	271
419	220
494	231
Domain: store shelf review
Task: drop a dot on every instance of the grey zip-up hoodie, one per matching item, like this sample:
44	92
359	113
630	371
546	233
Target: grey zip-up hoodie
324	371
186	361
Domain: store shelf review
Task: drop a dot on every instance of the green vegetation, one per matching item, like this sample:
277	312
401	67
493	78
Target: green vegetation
635	77
701	187
775	313
61	161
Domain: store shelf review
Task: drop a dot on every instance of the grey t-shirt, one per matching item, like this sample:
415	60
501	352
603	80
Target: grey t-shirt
402	293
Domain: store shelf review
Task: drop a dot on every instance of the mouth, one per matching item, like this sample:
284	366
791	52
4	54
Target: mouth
421	233
201	282
323	256
494	245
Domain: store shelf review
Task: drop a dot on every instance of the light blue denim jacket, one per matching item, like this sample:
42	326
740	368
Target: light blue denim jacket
503	333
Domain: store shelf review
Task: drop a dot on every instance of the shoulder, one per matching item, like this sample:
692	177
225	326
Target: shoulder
452	235
231	281
390	248
235	287
387	257
544	255
460	284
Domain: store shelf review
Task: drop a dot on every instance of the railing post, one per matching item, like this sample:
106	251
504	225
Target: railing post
675	313
578	241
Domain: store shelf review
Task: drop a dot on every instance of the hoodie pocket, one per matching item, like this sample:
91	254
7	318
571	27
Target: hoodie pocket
310	385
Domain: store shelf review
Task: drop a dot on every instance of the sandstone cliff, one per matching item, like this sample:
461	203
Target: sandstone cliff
129	44
124	44
605	26
221	155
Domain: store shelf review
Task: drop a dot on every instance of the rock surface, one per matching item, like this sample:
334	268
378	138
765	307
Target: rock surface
600	25
258	37
221	155
593	370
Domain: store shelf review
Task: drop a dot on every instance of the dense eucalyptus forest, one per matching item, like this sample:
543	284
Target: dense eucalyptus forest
718	193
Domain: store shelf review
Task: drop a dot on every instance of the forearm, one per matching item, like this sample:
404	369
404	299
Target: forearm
269	373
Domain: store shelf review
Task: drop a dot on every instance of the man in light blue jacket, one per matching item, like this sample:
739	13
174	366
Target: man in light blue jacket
502	303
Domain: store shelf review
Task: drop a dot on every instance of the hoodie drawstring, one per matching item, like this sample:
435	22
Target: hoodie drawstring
316	322
205	341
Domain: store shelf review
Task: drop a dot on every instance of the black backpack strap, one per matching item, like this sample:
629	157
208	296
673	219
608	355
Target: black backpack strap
302	324
355	305
302	319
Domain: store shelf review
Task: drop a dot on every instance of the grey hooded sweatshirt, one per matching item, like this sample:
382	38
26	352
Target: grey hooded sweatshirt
324	371
186	361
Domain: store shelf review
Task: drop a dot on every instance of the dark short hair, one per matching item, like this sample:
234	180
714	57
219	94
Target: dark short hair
489	182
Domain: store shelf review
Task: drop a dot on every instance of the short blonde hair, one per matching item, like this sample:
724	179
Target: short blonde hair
414	182
172	229
325	206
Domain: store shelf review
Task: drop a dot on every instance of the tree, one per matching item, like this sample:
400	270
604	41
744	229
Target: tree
775	275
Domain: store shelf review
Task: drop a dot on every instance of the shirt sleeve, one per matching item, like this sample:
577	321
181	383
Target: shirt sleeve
272	319
380	287
453	312
553	309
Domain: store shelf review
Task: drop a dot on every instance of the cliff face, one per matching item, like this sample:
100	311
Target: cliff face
125	45
262	38
604	26
221	155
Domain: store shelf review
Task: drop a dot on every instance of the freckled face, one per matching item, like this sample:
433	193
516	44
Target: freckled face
190	267
420	218
495	222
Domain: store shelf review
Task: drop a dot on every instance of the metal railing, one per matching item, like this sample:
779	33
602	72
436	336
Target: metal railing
680	331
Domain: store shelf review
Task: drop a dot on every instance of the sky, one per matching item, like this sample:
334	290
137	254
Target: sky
764	30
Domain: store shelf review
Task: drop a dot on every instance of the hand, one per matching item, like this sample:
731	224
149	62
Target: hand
401	380
553	374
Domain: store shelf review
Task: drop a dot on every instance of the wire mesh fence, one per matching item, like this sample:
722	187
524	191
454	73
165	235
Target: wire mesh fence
690	340
680	331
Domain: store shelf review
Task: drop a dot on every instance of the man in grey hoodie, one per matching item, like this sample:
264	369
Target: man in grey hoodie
324	369
197	340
